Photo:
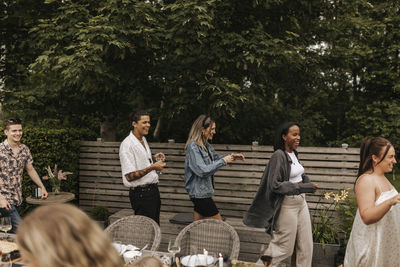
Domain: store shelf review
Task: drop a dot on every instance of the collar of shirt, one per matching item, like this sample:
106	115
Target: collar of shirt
138	143
9	149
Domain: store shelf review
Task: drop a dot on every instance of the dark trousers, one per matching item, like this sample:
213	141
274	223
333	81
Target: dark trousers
146	201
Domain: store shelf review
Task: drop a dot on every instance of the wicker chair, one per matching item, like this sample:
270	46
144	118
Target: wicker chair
213	235
136	230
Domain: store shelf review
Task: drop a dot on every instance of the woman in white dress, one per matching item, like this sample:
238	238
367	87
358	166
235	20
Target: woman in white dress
375	236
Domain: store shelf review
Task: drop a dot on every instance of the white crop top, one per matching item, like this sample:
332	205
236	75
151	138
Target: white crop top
296	170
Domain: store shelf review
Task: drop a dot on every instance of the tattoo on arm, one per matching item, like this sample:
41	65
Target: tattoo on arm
132	176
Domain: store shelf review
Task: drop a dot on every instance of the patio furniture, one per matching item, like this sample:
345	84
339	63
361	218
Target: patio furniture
136	230
213	235
52	198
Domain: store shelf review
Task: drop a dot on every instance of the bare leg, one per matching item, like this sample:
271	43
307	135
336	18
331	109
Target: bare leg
197	216
216	217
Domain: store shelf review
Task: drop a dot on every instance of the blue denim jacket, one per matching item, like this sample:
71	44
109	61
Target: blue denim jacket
200	169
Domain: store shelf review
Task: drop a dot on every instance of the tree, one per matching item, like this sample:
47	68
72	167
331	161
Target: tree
250	64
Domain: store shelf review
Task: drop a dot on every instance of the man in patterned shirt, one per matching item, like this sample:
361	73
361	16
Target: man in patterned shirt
14	157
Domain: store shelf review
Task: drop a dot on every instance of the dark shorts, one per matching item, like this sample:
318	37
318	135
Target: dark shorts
205	206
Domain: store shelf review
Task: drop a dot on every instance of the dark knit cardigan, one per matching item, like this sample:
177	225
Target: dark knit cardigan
274	185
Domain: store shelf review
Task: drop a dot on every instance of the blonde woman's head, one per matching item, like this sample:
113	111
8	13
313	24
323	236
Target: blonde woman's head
63	235
202	130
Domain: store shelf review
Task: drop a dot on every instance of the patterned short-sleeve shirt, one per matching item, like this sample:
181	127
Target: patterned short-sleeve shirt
11	170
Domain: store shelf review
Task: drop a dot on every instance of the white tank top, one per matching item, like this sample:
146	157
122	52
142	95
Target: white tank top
296	169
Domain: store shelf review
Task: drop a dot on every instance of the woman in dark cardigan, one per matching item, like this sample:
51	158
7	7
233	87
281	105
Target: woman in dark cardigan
280	205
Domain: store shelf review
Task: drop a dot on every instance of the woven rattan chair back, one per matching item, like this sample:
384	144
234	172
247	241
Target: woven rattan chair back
136	230
213	235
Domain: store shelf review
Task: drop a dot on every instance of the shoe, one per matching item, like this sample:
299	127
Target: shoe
267	260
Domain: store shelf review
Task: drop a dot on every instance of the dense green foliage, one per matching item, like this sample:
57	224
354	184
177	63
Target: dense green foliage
100	213
51	145
333	66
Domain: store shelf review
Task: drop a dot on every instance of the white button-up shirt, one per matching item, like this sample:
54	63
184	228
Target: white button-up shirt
135	157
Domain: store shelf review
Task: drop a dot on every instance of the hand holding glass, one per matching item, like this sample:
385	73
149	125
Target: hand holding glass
160	157
5	224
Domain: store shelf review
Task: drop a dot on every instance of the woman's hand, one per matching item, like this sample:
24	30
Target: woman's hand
238	156
315	186
229	159
394	200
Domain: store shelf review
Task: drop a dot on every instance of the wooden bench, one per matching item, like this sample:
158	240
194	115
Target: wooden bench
236	184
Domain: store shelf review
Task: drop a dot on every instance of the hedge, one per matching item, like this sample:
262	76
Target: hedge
51	146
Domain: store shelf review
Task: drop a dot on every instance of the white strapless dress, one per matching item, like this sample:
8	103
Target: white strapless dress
377	244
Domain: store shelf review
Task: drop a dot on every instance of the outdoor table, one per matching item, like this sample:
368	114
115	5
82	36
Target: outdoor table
11	238
52	198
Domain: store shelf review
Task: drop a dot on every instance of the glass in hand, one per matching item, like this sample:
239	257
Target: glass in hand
173	249
5	224
159	157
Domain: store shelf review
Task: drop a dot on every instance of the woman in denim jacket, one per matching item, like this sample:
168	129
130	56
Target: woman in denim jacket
201	163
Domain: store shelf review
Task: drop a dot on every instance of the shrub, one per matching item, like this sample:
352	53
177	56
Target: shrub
51	145
99	213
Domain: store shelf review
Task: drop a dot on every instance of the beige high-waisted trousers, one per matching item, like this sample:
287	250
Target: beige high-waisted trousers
293	227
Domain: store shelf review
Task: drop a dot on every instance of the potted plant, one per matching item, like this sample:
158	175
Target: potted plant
100	214
55	177
328	234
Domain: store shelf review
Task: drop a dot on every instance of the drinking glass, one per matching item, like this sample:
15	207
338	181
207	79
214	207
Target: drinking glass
214	258
173	248
193	250
5	224
159	157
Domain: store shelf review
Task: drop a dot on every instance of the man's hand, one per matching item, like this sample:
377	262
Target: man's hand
4	204
159	165
44	192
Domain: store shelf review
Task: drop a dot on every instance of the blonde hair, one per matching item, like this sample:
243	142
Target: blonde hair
63	235
148	261
196	132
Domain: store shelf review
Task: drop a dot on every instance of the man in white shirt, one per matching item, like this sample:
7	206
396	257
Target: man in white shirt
139	168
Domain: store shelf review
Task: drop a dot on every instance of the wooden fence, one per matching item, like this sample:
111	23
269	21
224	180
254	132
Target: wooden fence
100	182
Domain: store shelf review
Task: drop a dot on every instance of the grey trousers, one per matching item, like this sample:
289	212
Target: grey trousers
293	227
